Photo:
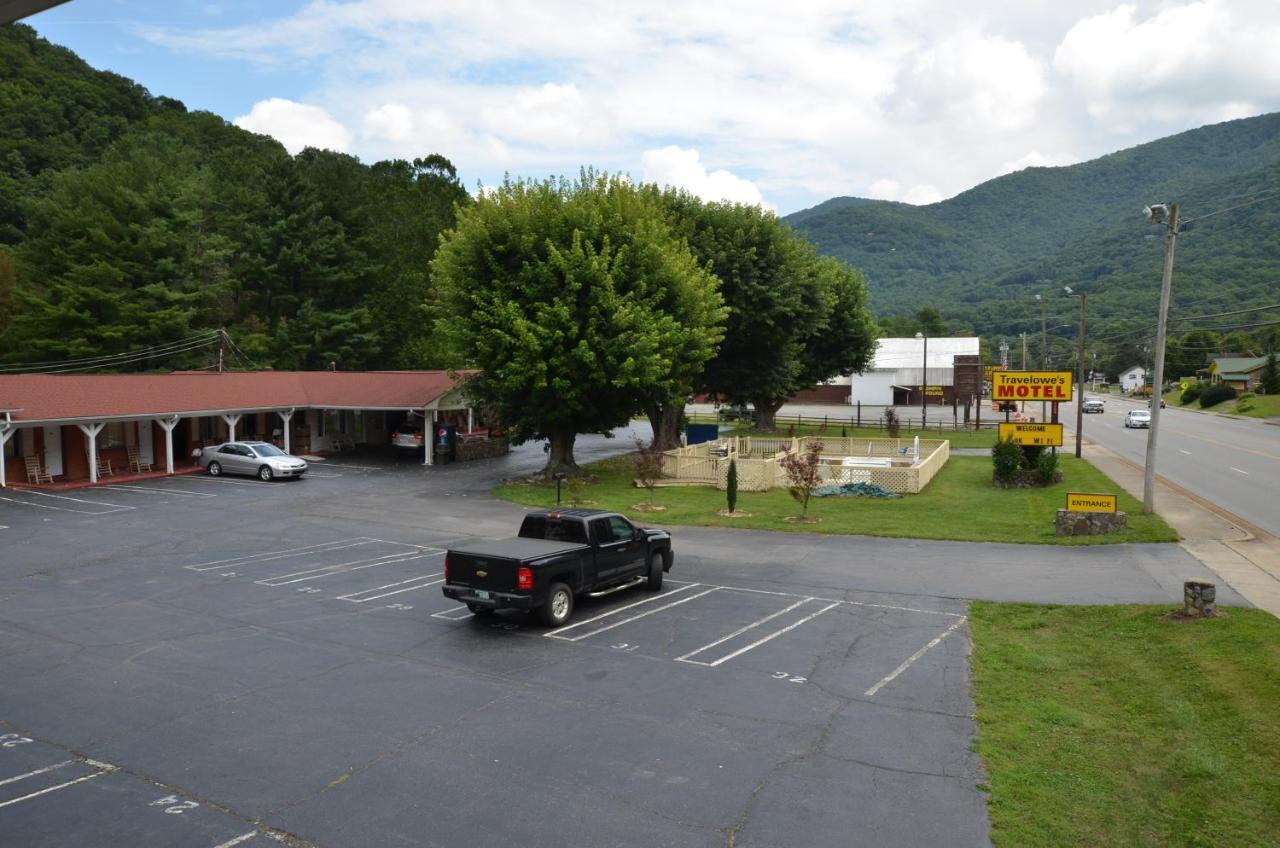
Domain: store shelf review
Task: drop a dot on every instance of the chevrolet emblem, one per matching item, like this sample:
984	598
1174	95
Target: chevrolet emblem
482	574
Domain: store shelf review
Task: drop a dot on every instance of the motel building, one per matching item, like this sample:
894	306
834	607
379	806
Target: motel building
74	427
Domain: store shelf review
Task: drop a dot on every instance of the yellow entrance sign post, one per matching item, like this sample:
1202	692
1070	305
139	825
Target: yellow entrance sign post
1039	435
1090	502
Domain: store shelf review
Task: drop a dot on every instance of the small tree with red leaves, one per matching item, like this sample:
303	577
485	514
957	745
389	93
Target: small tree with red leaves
803	470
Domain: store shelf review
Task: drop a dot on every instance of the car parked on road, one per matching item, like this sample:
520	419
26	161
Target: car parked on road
1138	418
255	459
408	436
1094	404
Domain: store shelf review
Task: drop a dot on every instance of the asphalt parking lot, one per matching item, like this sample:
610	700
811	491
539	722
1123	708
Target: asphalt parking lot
200	662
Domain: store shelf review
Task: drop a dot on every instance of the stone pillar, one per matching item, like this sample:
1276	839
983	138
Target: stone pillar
1198	597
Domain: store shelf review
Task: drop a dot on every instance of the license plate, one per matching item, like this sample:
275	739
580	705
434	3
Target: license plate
482	595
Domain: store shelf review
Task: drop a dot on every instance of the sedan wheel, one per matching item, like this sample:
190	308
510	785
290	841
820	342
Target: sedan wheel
264	473
214	469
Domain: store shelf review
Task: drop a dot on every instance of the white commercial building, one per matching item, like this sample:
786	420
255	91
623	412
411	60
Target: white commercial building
898	371
1133	378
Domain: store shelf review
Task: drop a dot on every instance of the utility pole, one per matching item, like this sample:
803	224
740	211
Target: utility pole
1157	214
222	334
1084	298
1044	347
1024	351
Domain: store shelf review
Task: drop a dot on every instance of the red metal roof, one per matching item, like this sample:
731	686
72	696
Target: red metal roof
53	397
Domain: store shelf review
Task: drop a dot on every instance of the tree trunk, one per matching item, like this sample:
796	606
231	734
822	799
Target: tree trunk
766	415
560	455
664	418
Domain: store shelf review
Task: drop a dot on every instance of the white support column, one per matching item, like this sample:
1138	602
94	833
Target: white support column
286	415
428	436
6	432
91	432
168	425
471	420
232	420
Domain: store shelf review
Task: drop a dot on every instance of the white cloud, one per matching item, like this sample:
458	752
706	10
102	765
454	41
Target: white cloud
1036	159
675	166
1208	60
390	121
816	100
296	125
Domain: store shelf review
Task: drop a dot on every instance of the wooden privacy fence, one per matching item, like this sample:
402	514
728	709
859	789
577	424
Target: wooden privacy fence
890	463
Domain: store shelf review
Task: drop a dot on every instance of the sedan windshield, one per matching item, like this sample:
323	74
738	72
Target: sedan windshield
268	450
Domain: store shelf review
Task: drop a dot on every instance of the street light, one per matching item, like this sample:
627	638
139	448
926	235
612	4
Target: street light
1159	213
924	379
1044	343
1084	298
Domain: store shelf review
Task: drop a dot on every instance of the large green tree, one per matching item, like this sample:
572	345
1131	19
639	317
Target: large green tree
795	319
576	303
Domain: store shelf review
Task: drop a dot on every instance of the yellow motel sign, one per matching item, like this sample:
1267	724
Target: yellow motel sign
1038	435
1090	502
1031	385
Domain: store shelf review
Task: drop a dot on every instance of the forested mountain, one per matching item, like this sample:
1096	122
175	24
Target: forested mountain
979	257
127	221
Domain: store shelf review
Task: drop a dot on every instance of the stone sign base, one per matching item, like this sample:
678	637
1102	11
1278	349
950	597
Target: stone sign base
1070	523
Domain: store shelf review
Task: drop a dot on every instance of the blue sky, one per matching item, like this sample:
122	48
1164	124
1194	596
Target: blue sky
749	101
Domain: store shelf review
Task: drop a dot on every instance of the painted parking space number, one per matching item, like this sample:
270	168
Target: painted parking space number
787	676
12	740
174	805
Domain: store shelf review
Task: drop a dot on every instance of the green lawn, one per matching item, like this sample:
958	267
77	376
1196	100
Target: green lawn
960	503
1254	406
1110	726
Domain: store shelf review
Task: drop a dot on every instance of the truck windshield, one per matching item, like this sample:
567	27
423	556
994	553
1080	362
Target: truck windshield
554	529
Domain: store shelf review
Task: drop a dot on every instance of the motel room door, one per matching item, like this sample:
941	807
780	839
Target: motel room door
53	450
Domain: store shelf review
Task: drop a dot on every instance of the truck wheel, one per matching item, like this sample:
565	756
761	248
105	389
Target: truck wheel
655	574
480	609
559	605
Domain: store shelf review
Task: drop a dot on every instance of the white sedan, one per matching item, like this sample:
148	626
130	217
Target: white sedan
256	459
1138	418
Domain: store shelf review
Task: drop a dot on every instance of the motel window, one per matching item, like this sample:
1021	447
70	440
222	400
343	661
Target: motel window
331	422
112	435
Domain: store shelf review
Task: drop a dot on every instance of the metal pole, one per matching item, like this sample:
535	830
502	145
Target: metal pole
1044	345
1084	298
924	380
1166	283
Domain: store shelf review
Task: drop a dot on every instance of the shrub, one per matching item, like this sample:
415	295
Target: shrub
1271	375
1047	466
731	486
1192	393
648	462
804	473
1006	458
891	423
1216	394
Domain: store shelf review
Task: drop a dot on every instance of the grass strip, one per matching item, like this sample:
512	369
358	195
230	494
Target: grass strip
1113	726
959	504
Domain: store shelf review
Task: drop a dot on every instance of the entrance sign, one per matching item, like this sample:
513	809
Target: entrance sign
1090	502
1031	385
1037	435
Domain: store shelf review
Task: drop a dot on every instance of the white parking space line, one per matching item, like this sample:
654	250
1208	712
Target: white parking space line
774	635
342	568
740	631
835	600
231	843
112	507
223	481
268	556
182	493
356	597
1181	451
888	678
1241	470
37	771
311	473
328	464
453	613
603	615
56	787
635	617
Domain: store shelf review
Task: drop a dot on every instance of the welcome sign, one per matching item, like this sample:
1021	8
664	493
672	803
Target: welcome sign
1031	385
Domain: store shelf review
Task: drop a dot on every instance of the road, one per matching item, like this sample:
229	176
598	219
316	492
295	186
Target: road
1235	463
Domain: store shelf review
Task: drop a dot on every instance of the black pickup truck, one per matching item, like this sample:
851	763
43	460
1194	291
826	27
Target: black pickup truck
559	555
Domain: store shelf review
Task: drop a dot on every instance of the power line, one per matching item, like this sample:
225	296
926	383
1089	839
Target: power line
206	338
116	363
1230	209
1225	314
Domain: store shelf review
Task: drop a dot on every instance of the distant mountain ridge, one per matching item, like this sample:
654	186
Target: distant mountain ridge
1078	225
